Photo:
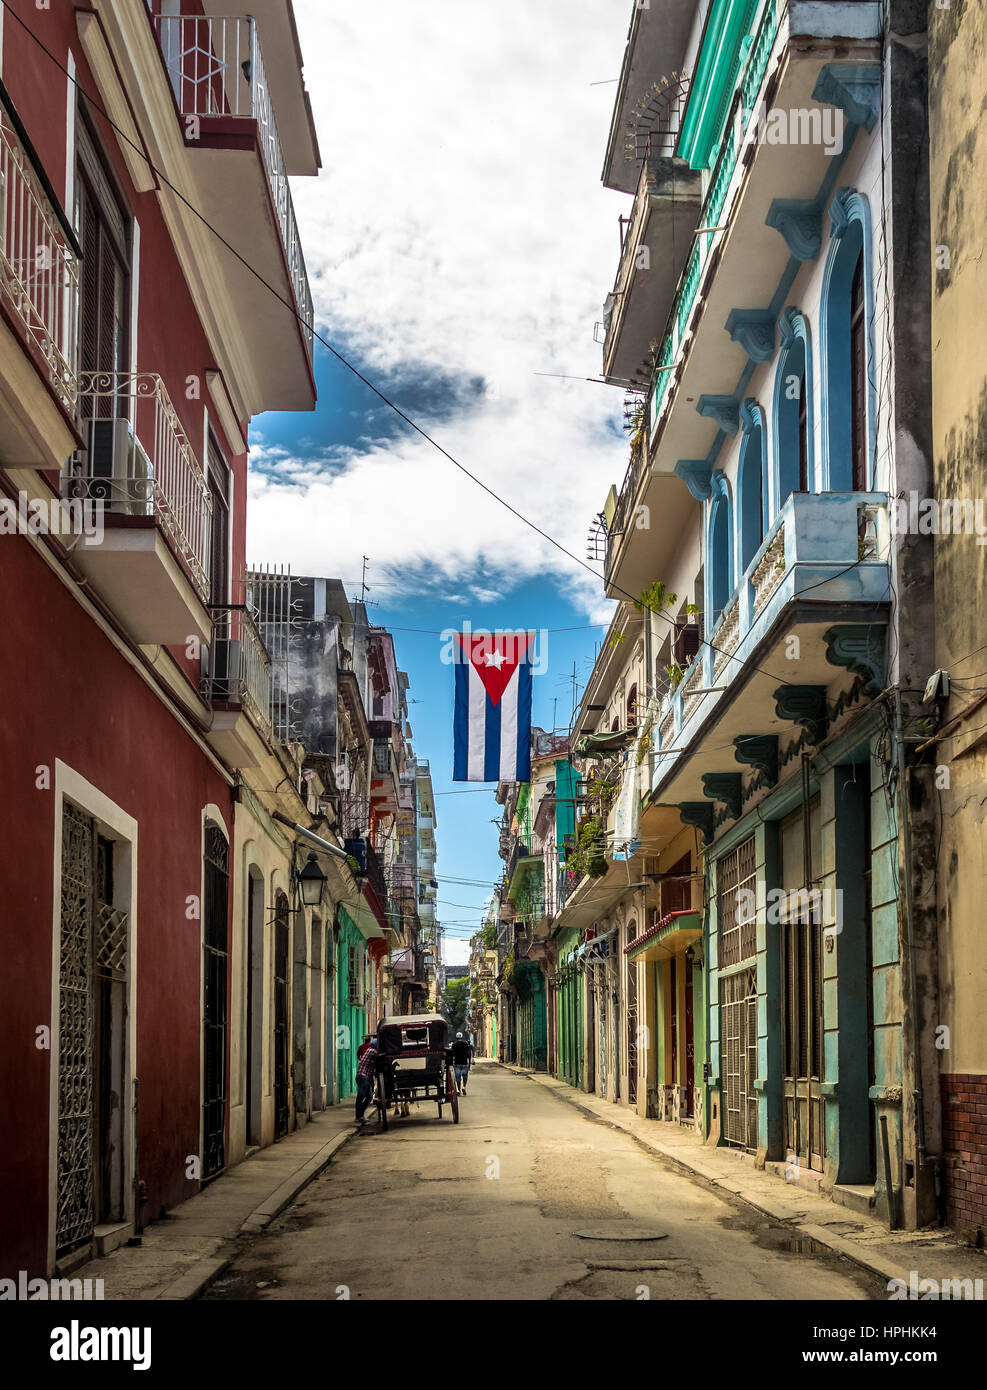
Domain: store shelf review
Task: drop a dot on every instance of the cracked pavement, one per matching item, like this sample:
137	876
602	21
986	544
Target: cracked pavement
490	1209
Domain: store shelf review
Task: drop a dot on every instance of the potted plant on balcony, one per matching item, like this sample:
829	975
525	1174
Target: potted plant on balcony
587	856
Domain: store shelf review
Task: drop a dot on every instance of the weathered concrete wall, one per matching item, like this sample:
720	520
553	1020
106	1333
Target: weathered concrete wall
958	178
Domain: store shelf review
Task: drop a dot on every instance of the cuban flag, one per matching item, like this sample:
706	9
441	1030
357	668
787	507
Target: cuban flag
492	726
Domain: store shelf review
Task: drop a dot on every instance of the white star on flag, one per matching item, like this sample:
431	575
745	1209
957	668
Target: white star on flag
494	659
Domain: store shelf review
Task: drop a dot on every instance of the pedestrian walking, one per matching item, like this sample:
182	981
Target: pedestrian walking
365	1070
461	1062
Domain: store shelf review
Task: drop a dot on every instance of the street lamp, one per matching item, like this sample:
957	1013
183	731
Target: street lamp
312	882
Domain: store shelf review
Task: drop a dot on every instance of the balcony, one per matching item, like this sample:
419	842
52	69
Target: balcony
666	206
152	565
39	293
763	206
818	577
385	786
236	684
215	67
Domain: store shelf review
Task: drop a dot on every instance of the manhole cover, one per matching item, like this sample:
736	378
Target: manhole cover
621	1230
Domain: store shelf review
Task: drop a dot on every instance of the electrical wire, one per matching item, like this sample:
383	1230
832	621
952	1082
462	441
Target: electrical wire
343	361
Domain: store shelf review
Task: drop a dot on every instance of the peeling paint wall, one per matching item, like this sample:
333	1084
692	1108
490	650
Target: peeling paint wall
958	176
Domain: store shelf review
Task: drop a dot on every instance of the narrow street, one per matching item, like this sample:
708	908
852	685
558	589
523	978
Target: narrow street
491	1208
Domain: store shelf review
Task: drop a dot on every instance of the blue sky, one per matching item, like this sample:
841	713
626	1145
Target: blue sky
465	837
459	246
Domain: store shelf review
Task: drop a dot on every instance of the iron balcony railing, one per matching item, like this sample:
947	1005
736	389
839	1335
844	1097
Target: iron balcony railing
375	875
237	669
519	850
39	269
138	462
216	68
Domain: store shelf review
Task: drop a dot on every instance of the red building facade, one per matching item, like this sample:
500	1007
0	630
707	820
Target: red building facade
134	348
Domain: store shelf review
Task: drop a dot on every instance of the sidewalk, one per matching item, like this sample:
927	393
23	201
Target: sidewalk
930	1254
183	1253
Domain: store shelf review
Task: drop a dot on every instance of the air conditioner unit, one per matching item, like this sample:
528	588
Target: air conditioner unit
116	454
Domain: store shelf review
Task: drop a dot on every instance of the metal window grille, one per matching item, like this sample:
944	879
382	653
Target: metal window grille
736	932
272	598
738	1060
94	938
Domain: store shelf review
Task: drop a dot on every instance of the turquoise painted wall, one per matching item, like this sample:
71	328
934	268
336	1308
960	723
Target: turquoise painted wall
569	1013
351	1018
532	1016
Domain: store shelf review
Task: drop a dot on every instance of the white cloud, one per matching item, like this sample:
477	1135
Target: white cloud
458	227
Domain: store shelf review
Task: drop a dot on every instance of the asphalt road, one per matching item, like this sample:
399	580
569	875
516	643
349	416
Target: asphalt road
491	1209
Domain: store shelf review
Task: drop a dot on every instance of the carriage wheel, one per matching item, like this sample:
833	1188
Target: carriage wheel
455	1108
453	1096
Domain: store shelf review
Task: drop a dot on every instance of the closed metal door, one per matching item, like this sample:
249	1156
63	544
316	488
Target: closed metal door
74	1201
282	951
92	970
738	1048
215	959
800	932
631	1030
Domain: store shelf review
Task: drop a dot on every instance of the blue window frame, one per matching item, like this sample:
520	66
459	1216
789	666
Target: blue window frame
752	484
847	348
794	457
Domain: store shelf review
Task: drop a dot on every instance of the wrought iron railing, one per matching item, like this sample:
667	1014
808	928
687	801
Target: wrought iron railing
272	597
138	462
216	69
238	668
375	874
39	270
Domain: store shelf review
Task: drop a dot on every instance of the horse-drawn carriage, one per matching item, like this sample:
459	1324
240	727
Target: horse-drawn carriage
414	1063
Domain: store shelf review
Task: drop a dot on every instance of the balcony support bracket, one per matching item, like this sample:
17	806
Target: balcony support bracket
697	476
725	410
860	648
754	330
799	222
854	88
805	705
759	751
726	787
700	814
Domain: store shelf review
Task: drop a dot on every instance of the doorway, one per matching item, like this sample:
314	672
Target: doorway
738	1023
215	953
800	932
93	1099
282	947
631	1022
315	1029
255	1008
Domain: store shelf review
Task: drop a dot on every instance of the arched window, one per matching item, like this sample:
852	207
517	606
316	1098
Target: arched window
752	484
846	321
858	380
720	549
794	466
632	707
215	947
